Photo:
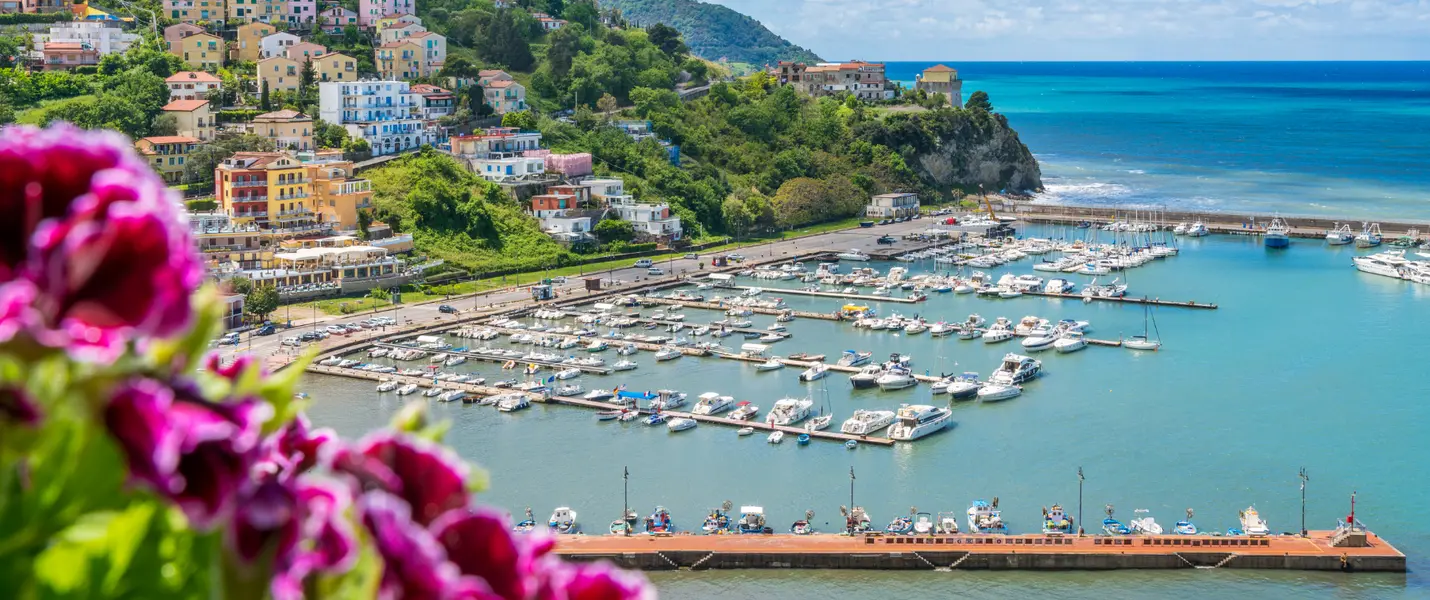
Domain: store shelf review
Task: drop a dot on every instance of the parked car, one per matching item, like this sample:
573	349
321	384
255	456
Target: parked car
558	279
735	257
447	309
291	341
338	329
309	336
692	256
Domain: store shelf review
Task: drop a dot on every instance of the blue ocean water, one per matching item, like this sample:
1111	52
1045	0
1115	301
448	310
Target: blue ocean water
1307	362
1341	139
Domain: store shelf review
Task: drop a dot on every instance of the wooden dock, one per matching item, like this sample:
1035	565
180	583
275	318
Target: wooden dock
646	346
840	295
1126	300
470	355
1318	551
802	364
483	390
759	310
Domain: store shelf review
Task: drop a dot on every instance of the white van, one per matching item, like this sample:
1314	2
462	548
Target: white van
643	263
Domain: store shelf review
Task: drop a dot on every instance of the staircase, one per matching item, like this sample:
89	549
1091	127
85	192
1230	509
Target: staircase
925	560
696	565
960	560
667	560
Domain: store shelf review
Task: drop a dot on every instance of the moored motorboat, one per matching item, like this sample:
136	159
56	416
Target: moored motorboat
772	364
776	437
1070	341
1341	235
1056	521
817	371
1252	524
1278	234
752	521
1144	524
681	424
852	358
744	411
744	431
659	521
919	420
896	378
712	403
984	517
964	387
866	422
1185	526
788	411
563	521
867	377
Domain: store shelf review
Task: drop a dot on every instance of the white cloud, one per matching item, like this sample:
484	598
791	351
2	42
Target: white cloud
1099	29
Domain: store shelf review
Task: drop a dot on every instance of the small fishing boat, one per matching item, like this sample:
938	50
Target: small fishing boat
526	525
803	439
1252	524
681	424
1056	521
923	524
984	517
563	521
1369	236
900	526
717	522
1341	235
608	415
597	346
1278	234
625	525
659	521
851	444
947	523
744	431
1111	526
803	526
1198	229
752	520
776	437
655	419
1185	526
1144	524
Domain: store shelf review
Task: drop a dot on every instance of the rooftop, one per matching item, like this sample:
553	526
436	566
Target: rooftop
940	69
283	115
194	76
186	105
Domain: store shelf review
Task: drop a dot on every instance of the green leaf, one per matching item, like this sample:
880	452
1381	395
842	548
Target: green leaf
97	544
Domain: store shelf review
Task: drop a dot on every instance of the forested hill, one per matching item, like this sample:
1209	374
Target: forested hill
713	32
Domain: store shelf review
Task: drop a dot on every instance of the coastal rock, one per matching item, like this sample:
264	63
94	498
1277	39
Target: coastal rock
960	149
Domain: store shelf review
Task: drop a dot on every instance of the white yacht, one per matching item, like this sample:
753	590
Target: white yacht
1388	264
1017	368
1181	228
712	403
1198	229
408	389
624	365
867	377
432	392
819	370
1071	341
996	390
513	402
599	395
627	349
667	400
452	396
866	422
1144	524
788	411
941	329
999	332
568	373
919	420
855	254
1251	523
387	385
667	353
680	424
773	364
896	378
964	386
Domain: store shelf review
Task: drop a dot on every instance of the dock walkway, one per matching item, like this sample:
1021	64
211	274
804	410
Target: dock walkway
1030	552
504	359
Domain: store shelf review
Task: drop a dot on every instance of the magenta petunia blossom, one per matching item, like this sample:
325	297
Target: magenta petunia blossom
481	544
414	565
295	448
593	581
300	525
430	478
194	452
97	237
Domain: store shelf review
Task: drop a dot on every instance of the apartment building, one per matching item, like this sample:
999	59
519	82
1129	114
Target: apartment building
339	194
280	73
195	11
277	44
385	113
288	129
270	189
335	66
195	118
167	154
399	60
370	11
192	85
203	50
249	43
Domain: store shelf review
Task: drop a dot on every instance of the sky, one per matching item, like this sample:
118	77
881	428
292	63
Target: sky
1031	30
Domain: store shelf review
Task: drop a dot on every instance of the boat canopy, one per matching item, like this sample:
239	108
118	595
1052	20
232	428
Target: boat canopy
855	308
604	307
754	348
752	510
428	339
636	395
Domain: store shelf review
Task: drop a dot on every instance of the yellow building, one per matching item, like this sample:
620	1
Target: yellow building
940	79
166	154
289	129
335	66
195	118
339	195
395	20
249	37
203	50
257	11
280	73
270	189
195	11
399	61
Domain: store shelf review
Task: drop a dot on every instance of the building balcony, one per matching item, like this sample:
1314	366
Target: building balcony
248	184
249	199
253	214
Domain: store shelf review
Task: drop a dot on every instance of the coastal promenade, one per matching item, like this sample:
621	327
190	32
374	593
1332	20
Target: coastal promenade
1318	551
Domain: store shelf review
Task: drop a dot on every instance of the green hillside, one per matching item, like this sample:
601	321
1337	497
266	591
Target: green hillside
714	32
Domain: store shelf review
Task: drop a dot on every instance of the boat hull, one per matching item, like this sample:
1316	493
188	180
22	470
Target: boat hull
1277	241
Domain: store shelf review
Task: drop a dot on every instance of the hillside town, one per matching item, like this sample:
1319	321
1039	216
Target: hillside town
289	124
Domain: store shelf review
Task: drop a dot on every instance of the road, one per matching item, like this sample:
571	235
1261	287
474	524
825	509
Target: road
470	305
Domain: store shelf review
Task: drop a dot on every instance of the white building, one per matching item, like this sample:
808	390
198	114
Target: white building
655	220
886	206
192	85
388	114
566	227
605	189
276	44
510	168
100	37
398	33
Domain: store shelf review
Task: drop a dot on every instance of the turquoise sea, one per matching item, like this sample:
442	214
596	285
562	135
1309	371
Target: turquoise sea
1343	139
1307	363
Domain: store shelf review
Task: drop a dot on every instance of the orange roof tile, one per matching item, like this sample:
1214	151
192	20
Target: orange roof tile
186	105
195	76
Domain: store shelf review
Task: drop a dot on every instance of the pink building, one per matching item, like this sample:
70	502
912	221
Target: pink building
369	11
302	13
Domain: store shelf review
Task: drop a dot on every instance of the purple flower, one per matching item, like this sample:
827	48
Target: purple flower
430	478
295	448
594	581
414	565
194	452
480	543
235	368
16	406
300	525
95	233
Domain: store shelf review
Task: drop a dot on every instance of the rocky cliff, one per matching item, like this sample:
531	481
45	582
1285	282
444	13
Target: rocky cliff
960	149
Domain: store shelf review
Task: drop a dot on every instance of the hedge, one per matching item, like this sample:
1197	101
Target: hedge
22	18
237	115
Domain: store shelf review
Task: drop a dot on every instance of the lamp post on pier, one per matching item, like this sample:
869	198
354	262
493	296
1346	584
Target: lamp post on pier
1079	500
1304	479
850	518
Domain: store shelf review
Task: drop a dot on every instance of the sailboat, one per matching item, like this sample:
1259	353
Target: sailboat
1144	342
826	414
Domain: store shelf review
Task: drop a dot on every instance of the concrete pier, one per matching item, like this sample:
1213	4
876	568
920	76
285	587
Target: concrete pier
1032	552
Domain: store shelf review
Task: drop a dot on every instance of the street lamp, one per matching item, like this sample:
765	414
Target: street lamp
1304	479
1079	500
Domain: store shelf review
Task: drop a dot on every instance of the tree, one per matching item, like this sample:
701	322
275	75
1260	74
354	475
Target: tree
263	101
459	67
521	119
240	285
364	221
165	124
614	230
502	42
328	135
261	301
378	296
667	39
555	8
7	112
647	100
979	99
201	162
477	101
583	12
607	104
